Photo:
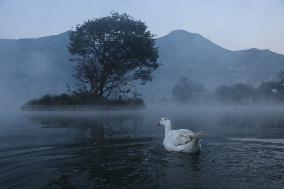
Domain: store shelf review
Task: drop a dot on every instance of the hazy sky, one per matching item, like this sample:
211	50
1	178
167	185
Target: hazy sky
233	24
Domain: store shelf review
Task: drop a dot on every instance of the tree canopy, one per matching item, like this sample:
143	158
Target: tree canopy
112	51
236	92
185	90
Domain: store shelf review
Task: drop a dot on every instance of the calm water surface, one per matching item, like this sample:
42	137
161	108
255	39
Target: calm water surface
242	148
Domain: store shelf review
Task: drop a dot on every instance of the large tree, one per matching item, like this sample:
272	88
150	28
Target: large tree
236	92
185	90
111	51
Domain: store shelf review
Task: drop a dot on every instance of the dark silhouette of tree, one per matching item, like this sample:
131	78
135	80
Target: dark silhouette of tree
241	92
224	92
184	90
281	77
110	52
236	92
269	90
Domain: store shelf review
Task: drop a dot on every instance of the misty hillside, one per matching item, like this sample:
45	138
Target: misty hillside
212	65
192	55
33	67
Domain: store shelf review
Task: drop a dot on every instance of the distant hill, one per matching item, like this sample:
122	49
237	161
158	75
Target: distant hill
189	54
33	67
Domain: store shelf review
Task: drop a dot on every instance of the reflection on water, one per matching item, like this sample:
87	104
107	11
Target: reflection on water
124	150
97	128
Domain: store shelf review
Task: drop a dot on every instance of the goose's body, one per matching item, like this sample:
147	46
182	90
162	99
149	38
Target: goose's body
181	140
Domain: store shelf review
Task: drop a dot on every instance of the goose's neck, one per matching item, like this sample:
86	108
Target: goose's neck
168	127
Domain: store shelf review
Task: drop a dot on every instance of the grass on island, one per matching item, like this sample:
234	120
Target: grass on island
81	99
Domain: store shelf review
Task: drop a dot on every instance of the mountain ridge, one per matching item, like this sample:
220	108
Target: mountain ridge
38	64
66	33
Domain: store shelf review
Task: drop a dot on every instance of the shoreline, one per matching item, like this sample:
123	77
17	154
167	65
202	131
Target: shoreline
79	107
164	107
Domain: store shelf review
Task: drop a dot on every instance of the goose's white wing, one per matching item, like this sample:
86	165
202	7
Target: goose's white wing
186	133
183	136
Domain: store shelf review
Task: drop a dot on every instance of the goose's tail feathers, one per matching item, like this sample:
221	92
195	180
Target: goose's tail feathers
198	134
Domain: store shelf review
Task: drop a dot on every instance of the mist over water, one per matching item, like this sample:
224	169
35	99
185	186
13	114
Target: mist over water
242	148
203	82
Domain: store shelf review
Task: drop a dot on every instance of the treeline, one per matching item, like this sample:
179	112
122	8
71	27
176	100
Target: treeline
186	90
83	99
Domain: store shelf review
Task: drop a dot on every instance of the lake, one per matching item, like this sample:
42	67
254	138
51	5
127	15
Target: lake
243	147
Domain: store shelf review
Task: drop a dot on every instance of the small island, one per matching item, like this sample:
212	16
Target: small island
81	102
111	55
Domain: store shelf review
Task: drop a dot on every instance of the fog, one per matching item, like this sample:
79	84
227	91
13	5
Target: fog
220	73
199	42
34	67
31	68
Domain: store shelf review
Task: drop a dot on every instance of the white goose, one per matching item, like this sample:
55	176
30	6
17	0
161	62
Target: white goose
182	140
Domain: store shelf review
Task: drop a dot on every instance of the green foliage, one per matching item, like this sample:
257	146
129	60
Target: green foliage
111	51
281	77
185	90
266	91
82	99
236	92
272	90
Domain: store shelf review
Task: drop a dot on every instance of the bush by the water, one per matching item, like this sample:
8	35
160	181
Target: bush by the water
186	90
83	99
